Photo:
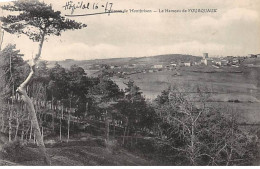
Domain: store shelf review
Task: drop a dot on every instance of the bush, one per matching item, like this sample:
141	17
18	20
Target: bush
16	152
112	146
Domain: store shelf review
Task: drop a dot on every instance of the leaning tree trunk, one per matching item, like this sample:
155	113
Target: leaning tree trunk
22	91
1	36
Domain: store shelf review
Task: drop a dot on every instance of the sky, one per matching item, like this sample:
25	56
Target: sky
233	30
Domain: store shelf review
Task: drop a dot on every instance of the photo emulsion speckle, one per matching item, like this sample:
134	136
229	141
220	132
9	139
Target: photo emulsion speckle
129	83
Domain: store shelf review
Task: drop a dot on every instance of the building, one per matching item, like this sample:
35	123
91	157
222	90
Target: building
187	64
235	61
204	61
218	63
196	63
97	66
209	62
252	56
132	66
205	55
181	64
230	57
157	66
224	62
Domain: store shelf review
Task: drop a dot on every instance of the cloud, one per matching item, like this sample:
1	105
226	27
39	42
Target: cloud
79	51
233	29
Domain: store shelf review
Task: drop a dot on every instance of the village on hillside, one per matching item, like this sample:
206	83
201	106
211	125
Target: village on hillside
172	64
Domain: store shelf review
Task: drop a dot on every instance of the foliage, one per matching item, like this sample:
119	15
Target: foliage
13	65
200	134
36	20
136	113
58	84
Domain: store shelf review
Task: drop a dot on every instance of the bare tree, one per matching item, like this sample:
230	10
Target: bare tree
207	135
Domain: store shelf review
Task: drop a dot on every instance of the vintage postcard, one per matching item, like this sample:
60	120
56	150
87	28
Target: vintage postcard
130	82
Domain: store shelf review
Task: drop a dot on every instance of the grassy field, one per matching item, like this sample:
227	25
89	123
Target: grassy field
229	84
153	83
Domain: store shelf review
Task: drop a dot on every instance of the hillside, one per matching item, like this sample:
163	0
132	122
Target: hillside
89	152
149	60
229	84
252	61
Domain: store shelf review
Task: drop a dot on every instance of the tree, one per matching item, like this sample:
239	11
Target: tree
200	134
106	90
5	89
59	83
136	113
1	36
134	103
78	87
36	20
42	70
14	67
133	92
105	95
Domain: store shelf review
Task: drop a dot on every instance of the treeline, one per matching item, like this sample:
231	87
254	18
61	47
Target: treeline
58	92
176	128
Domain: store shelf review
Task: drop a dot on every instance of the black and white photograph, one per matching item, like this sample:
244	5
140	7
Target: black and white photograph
129	83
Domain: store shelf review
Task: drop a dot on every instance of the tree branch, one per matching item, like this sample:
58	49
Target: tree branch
40	48
22	91
21	88
181	123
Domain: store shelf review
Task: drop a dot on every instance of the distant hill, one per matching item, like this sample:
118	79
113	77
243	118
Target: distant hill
166	59
149	60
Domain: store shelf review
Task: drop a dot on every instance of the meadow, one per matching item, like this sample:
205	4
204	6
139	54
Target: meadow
230	87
